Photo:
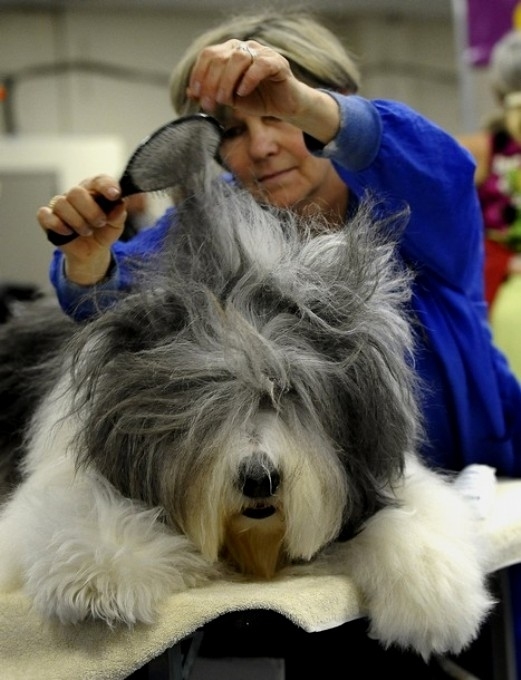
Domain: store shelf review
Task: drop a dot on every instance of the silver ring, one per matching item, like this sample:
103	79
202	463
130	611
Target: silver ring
244	48
53	201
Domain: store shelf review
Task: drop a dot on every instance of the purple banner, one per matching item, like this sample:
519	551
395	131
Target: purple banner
488	21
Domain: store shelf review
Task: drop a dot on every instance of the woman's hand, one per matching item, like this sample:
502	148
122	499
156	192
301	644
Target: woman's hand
244	75
255	80
88	257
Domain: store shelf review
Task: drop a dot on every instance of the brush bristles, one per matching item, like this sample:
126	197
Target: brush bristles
176	155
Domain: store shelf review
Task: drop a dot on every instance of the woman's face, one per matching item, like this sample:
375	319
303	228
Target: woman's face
270	159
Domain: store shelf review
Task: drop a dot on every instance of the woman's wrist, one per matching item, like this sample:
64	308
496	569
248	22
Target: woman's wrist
88	273
318	115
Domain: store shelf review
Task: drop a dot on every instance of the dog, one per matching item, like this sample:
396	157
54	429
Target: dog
249	409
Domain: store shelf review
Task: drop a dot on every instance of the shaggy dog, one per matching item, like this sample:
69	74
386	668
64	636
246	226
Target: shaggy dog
249	409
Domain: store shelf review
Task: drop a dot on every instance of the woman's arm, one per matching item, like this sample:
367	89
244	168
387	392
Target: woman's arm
417	164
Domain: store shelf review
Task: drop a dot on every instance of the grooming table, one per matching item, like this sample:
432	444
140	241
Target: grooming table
30	648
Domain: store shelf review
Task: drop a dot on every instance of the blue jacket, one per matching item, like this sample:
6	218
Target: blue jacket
471	400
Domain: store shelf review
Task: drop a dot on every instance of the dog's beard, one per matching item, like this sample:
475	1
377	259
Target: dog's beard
255	546
261	522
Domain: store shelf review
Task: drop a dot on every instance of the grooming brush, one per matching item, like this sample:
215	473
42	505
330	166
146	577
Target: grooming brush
164	160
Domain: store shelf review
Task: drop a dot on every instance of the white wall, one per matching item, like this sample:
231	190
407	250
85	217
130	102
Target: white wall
401	56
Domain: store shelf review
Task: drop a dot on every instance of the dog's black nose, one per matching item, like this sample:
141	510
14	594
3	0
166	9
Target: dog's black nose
258	477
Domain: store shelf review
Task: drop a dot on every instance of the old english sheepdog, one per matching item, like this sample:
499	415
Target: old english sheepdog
248	409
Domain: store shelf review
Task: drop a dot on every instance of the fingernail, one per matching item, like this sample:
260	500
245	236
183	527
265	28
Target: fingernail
112	193
207	104
196	88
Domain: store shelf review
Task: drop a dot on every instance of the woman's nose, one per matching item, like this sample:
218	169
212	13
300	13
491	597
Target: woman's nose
262	140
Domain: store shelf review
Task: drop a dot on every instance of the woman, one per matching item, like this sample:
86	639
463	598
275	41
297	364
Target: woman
298	137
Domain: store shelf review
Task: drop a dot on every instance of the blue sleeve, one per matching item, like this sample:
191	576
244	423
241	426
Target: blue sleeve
472	402
83	302
386	149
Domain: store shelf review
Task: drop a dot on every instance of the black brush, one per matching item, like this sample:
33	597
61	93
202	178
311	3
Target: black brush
168	159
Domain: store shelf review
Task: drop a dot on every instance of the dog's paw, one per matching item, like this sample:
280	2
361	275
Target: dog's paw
119	575
423	589
428	607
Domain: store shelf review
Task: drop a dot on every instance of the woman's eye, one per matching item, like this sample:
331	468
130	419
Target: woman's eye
232	132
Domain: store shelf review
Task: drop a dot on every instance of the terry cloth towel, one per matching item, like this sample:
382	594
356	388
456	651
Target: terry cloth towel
30	648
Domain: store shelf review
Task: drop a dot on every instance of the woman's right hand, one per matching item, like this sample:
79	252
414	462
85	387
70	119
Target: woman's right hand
87	257
255	80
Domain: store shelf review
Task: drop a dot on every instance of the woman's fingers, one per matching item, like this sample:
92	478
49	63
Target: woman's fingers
77	211
238	69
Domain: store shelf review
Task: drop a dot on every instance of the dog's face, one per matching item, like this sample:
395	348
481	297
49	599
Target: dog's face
277	493
259	391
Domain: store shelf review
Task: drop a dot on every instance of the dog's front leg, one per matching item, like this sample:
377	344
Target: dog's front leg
420	568
80	550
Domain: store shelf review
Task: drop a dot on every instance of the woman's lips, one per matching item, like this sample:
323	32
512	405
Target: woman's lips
275	177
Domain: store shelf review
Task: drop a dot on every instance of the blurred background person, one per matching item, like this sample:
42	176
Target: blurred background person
497	151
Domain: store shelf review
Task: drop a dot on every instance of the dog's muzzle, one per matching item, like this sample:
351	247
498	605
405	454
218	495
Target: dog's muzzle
259	481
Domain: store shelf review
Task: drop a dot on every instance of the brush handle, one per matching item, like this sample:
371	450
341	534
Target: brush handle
61	239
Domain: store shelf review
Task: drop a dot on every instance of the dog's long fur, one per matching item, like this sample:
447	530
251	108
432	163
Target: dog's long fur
253	403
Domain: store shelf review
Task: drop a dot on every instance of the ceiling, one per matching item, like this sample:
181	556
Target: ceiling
425	8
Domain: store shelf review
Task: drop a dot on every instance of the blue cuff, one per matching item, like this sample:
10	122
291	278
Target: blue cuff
83	302
357	141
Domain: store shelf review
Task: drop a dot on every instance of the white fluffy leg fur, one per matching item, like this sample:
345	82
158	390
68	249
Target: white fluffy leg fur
81	550
421	569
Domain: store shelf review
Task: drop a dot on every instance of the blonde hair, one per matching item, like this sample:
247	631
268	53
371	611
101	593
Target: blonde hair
316	56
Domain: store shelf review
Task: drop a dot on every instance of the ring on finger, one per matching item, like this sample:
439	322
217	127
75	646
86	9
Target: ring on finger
53	201
245	48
